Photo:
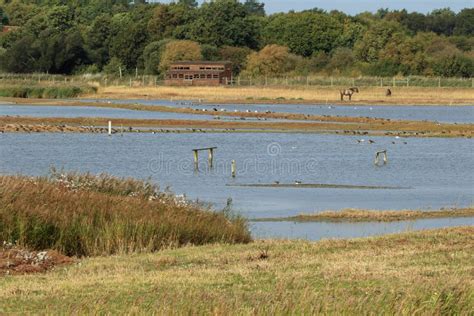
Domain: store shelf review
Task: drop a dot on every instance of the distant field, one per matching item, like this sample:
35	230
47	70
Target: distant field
419	273
291	94
312	89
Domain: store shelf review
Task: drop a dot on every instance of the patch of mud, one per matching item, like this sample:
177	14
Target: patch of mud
21	261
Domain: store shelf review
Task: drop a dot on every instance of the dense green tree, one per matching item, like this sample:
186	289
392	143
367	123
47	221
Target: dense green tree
236	55
304	33
3	18
152	56
69	36
380	33
128	43
464	24
98	38
223	22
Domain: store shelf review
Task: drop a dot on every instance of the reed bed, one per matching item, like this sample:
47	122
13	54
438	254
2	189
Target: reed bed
88	215
45	92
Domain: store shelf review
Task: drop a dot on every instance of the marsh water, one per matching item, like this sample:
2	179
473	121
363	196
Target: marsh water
445	114
426	173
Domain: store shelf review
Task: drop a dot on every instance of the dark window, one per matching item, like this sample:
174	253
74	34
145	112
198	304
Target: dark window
209	76
216	76
203	76
180	76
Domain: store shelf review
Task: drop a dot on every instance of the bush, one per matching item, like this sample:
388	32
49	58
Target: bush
86	215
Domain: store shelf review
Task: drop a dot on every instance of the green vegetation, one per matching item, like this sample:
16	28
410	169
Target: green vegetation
46	92
86	215
122	37
418	273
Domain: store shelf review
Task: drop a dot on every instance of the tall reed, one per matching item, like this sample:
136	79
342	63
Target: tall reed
87	215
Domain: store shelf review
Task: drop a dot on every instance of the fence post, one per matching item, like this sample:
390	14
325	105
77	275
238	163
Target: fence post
439	82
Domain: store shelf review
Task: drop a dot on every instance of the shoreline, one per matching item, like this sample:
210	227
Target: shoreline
288	122
397	129
357	215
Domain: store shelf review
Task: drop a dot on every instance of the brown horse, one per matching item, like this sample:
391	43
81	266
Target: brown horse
349	92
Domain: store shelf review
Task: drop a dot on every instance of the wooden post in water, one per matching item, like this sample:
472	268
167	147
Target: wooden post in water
196	159
121	129
211	157
377	155
233	169
196	156
110	128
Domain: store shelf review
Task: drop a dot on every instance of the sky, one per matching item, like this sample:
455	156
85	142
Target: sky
357	6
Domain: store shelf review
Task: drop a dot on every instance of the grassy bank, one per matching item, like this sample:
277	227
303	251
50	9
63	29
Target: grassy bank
289	94
45	92
356	215
421	273
96	215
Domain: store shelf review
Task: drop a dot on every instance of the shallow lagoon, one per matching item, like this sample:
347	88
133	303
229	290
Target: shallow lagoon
445	114
435	172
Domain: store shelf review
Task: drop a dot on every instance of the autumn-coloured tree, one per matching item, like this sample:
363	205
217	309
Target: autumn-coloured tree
179	51
270	61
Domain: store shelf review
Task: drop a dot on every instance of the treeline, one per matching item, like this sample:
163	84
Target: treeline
113	36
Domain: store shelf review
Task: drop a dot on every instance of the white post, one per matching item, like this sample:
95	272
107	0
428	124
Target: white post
110	128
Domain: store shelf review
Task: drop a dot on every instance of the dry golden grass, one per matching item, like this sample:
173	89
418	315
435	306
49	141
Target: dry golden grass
321	95
86	215
357	215
421	273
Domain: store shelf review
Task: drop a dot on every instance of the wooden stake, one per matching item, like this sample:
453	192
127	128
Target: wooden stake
196	159
233	169
211	157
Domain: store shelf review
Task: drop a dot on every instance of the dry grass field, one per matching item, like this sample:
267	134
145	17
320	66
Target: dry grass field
419	273
318	95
